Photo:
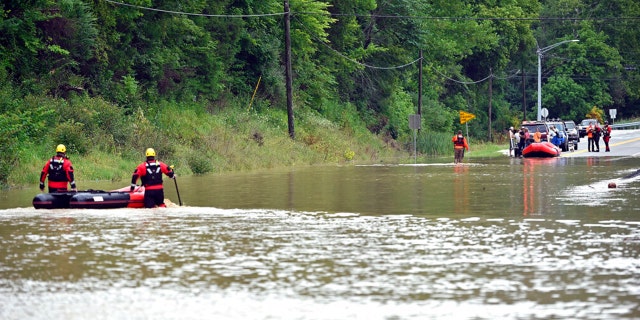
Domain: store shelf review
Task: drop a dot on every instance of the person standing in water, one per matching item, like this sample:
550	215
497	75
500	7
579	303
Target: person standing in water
59	171
606	135
459	146
150	172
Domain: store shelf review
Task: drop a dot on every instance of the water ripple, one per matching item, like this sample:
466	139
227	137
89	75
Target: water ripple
255	264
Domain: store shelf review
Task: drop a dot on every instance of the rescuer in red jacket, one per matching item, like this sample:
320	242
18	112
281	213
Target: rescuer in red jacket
59	171
150	172
459	145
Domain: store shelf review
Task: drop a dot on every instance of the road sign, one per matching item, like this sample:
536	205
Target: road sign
544	112
466	116
414	121
613	113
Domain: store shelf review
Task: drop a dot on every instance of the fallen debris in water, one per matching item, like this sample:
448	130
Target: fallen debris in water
612	185
633	175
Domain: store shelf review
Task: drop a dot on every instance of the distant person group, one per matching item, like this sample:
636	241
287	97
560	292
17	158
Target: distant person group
520	139
594	132
59	172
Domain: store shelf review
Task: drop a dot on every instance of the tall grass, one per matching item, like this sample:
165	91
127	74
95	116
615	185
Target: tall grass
439	144
106	142
434	143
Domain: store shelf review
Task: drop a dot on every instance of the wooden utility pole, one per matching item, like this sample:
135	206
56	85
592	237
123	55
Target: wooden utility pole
420	85
524	95
420	89
490	94
287	62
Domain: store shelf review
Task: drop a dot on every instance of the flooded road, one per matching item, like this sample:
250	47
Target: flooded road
492	239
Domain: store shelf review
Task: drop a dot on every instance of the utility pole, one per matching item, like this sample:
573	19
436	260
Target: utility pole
524	96
540	52
288	72
420	88
490	94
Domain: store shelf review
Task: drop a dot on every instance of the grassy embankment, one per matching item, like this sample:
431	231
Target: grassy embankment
106	142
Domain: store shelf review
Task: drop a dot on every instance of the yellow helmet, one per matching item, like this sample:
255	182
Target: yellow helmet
150	152
61	148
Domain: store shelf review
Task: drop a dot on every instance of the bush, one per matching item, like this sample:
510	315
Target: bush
71	134
199	164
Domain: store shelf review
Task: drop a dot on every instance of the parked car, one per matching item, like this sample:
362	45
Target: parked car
532	126
572	133
582	127
562	134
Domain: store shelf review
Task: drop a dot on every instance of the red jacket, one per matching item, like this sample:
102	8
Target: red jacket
59	170
606	132
150	172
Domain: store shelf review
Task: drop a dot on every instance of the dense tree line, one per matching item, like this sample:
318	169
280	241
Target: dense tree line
349	57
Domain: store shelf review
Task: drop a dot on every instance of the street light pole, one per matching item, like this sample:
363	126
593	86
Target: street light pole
540	52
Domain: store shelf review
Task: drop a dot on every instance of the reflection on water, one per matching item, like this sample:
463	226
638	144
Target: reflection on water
510	239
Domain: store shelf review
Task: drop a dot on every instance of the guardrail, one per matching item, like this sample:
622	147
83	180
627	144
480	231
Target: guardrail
626	126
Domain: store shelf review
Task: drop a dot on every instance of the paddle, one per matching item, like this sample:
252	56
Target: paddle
175	180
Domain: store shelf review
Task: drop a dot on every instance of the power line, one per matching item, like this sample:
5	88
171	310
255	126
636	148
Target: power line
351	59
378	16
461	82
383	16
372	15
514	75
197	14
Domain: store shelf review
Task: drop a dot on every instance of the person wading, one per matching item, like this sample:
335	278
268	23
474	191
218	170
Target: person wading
459	145
150	173
606	135
590	143
59	171
522	141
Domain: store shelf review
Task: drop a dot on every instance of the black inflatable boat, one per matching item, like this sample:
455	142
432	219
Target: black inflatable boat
90	199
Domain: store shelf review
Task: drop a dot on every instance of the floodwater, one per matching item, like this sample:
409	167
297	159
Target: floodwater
491	239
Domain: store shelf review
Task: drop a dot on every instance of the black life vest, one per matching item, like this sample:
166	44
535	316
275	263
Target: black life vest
56	169
153	175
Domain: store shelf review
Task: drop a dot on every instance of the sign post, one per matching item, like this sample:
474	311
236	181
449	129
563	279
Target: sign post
415	124
545	113
464	118
612	114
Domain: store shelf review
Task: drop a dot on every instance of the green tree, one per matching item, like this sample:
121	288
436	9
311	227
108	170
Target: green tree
591	63
565	98
21	41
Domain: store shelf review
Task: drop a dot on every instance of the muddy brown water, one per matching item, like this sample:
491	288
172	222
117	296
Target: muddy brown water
492	239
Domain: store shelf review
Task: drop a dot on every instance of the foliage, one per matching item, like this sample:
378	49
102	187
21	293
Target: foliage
399	107
569	99
434	143
113	78
595	113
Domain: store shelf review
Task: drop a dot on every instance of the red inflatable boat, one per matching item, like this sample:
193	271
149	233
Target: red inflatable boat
541	150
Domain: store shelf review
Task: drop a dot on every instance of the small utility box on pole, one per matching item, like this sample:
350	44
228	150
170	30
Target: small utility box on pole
415	124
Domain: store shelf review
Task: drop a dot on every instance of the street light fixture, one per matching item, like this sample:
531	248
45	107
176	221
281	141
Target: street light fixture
540	52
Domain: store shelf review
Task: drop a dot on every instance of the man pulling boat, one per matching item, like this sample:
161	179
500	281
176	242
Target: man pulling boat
150	173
